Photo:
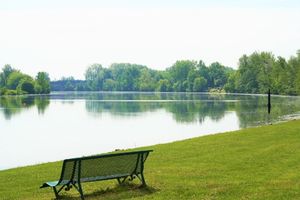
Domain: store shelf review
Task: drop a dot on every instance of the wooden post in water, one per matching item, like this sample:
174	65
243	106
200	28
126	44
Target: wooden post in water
269	101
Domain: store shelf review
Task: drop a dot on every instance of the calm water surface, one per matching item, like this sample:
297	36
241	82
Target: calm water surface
36	129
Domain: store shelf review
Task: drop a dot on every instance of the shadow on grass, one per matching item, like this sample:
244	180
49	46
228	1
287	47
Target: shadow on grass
124	191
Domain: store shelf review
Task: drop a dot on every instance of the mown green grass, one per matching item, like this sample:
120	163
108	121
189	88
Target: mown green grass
254	163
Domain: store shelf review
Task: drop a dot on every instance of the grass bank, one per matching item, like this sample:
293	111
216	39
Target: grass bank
254	163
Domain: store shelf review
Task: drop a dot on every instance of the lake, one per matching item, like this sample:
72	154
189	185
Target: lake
37	129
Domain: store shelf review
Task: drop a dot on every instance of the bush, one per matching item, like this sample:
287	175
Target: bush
2	91
10	92
38	88
26	86
14	79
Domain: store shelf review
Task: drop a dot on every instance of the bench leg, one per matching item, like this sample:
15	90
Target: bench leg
119	181
80	191
142	179
55	192
122	181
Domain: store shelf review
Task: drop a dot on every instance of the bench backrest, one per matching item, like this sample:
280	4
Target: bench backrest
116	164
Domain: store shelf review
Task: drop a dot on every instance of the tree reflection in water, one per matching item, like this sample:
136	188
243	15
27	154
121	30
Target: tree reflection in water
184	107
13	105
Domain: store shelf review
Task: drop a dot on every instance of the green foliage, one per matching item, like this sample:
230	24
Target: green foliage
14	82
38	88
26	86
126	76
146	80
259	72
164	85
2	91
217	75
69	84
231	84
180	77
6	71
180	70
42	85
10	104
200	84
94	77
9	92
14	79
109	85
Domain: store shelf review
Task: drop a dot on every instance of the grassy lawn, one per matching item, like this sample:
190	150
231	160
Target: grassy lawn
254	163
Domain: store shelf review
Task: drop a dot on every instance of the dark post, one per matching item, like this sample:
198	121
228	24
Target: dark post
269	101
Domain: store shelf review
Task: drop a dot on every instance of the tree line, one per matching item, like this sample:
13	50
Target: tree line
183	76
256	73
13	82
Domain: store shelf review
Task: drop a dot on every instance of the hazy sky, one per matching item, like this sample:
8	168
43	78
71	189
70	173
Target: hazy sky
63	37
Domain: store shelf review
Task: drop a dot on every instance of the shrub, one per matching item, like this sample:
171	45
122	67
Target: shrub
26	86
10	92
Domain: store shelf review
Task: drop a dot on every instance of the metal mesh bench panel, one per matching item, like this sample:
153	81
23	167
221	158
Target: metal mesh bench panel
108	167
143	157
98	178
69	171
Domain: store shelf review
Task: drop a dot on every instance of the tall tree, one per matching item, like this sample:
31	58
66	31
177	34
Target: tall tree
42	84
6	71
217	75
94	76
179	74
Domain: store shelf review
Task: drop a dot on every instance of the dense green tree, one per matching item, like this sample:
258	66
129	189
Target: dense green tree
293	74
231	85
42	84
264	62
297	81
146	80
6	71
200	84
15	82
180	70
259	72
126	76
247	74
109	85
94	77
217	75
204	71
26	86
179	74
14	79
164	85
192	75
279	77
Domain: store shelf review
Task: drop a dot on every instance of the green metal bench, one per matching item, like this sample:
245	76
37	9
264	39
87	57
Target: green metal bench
118	166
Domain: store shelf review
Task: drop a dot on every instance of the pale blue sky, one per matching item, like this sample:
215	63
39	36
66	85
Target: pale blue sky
63	37
37	4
